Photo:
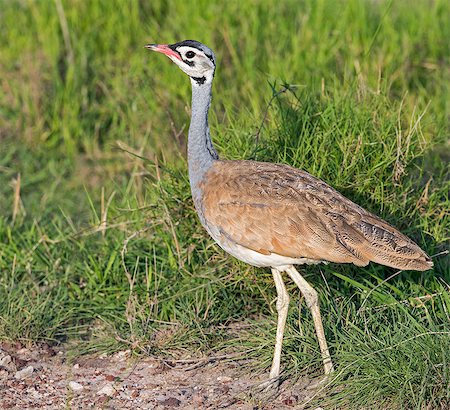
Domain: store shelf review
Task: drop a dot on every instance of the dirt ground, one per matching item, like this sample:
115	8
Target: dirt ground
48	378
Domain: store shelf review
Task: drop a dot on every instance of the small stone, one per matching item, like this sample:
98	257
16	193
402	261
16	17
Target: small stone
3	374
146	394
76	387
5	360
33	393
107	390
197	399
171	402
224	379
290	401
125	395
122	355
102	400
24	373
76	366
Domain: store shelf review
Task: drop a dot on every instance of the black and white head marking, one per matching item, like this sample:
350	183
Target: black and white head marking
194	45
196	60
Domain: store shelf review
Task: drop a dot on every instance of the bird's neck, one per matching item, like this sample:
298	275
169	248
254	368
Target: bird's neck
201	153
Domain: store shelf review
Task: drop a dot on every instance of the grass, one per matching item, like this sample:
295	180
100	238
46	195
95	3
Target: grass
99	242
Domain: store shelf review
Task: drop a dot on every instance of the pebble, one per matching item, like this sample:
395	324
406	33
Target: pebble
197	400
122	355
3	375
24	373
34	393
107	390
146	394
4	360
76	387
171	402
290	401
224	379
76	366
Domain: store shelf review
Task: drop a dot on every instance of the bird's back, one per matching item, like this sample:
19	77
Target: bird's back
277	209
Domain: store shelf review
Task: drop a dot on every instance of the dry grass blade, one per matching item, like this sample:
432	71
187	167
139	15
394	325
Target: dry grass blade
16	200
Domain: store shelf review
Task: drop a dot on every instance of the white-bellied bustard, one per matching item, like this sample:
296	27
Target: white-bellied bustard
275	215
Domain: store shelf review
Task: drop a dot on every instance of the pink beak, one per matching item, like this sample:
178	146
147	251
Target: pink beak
163	48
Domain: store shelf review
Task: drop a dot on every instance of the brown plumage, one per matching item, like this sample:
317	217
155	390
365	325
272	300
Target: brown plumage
277	216
275	208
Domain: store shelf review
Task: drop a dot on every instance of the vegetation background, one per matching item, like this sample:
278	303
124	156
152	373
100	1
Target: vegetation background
99	242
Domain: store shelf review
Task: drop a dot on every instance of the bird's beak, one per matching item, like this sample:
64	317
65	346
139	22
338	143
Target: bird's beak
163	48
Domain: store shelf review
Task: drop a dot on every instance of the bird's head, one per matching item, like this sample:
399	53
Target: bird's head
194	58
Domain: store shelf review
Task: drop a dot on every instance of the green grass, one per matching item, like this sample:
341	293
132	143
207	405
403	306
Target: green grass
101	246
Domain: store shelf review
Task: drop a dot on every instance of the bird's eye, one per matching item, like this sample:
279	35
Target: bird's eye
190	54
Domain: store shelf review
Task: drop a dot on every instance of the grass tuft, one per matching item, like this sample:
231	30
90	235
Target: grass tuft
99	242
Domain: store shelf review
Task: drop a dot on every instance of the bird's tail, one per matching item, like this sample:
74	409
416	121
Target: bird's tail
390	247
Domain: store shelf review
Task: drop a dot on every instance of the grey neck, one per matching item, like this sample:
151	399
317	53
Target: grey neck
201	153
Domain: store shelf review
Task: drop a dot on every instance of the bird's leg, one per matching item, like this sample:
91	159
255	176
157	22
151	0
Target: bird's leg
282	309
312	301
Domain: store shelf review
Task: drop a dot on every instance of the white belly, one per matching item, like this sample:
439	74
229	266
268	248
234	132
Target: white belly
258	259
255	258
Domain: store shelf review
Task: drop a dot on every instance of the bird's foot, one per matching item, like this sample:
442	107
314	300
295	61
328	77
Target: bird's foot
271	385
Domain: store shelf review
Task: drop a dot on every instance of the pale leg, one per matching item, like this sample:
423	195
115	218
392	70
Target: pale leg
282	309
312	301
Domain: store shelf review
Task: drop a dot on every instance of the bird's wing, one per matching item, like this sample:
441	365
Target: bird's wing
275	208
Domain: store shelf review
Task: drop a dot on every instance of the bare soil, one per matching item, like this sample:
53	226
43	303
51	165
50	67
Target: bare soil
49	378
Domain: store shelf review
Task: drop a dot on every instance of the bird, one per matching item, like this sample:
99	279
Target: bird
277	216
